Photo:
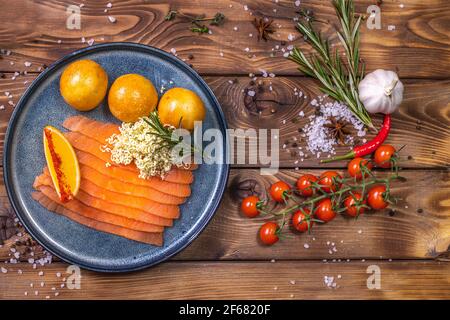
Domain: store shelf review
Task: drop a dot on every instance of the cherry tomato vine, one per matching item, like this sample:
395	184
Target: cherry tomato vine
321	199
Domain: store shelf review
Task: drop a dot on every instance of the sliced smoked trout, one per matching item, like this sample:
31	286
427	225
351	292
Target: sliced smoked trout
99	131
91	146
154	238
92	213
152	207
120	210
185	177
115	185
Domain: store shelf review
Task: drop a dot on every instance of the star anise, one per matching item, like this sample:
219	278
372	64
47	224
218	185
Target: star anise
338	129
264	27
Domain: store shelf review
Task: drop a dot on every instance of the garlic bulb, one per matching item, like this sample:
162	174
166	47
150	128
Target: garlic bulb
381	91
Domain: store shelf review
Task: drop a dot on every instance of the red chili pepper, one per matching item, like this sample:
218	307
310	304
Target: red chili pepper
369	147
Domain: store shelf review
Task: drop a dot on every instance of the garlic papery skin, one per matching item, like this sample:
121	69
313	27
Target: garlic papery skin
381	91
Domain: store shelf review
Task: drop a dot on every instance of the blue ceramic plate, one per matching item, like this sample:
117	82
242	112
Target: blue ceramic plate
43	105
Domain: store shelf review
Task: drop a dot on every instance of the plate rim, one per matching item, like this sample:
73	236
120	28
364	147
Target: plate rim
11	192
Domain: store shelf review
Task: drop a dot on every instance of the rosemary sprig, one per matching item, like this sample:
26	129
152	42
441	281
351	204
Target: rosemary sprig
197	21
161	131
169	139
339	80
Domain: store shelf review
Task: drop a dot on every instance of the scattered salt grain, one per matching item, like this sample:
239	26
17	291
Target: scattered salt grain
297	3
91	42
27	64
112	19
306	246
316	133
329	281
109	5
391	27
4	270
41	273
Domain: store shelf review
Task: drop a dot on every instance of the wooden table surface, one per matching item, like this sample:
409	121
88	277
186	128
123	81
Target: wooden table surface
410	245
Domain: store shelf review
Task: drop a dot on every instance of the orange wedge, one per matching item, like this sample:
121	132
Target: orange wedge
62	163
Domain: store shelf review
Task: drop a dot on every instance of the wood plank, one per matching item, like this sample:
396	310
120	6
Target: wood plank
237	280
418	228
418	47
422	125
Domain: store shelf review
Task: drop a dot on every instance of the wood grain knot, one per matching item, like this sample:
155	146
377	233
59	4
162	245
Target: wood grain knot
240	189
8	227
261	99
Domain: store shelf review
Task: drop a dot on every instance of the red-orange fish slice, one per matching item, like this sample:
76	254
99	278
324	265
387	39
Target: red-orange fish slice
114	171
97	130
92	213
119	186
154	238
158	209
100	131
91	146
116	209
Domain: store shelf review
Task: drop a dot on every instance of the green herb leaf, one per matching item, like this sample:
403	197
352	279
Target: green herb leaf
171	15
339	80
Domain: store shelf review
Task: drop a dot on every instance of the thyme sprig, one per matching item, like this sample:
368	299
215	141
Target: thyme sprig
339	79
197	22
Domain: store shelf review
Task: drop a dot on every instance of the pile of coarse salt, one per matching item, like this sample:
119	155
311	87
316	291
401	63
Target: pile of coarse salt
317	134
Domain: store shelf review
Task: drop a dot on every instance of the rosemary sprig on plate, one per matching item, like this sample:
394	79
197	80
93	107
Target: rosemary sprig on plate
339	79
166	134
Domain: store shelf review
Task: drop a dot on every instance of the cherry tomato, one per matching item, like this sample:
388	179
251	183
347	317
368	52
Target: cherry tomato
324	210
301	220
249	206
268	233
304	185
375	197
350	204
383	156
354	167
279	190
326	180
